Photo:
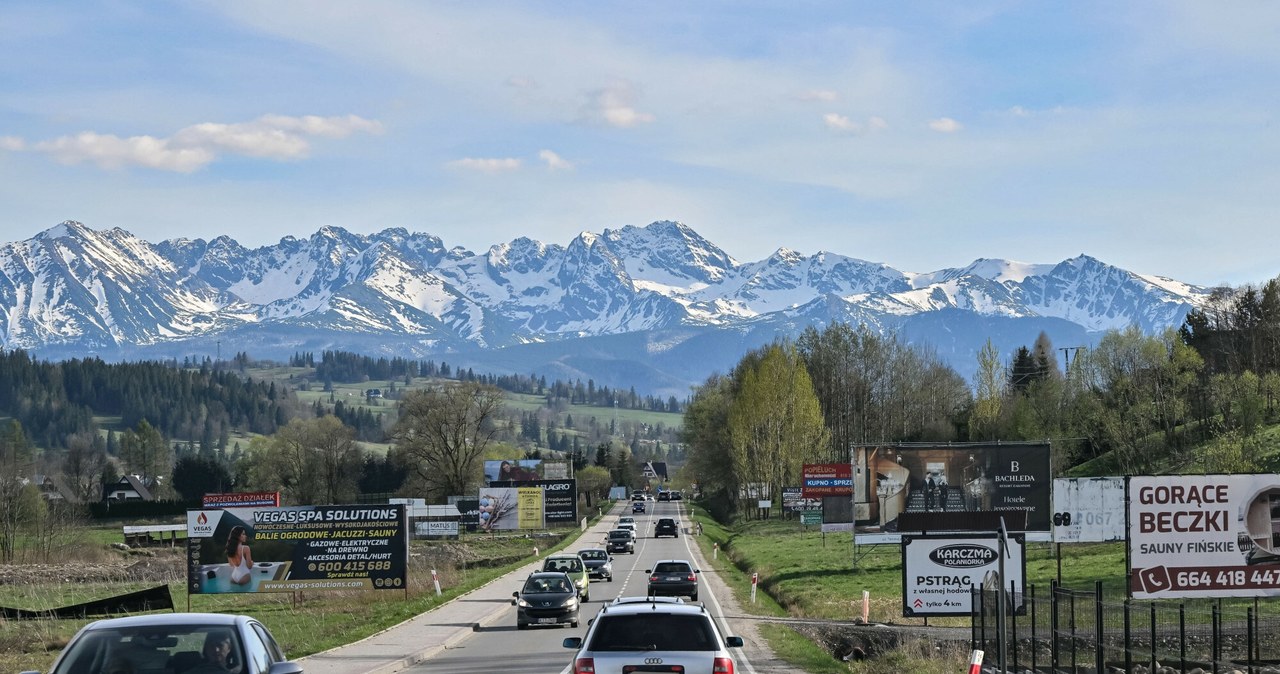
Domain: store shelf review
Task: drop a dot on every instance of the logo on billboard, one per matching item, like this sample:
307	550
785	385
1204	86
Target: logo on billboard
963	556
557	486
200	525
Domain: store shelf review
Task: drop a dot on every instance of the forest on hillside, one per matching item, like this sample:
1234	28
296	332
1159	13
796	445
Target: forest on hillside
1195	399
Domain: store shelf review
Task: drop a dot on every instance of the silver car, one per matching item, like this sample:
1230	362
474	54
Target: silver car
648	634
182	643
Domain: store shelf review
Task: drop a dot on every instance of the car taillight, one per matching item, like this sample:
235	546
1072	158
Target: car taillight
691	578
653	579
588	666
722	666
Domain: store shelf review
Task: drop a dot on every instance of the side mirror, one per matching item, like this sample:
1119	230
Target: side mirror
648	570
515	594
733	642
569	642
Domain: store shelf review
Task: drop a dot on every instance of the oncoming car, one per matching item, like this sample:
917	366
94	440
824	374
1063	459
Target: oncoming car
637	507
599	563
621	540
570	564
652	635
174	642
546	599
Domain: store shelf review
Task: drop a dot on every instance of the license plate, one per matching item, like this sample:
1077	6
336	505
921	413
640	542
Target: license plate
546	621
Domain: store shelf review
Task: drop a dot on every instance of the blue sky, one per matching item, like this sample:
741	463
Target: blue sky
923	135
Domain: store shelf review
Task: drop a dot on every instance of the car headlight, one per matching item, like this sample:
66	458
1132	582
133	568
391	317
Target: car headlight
607	566
522	603
570	602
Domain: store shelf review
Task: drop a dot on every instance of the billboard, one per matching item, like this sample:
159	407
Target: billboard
826	479
939	572
241	499
1088	509
265	549
794	502
1204	536
522	470
945	482
559	498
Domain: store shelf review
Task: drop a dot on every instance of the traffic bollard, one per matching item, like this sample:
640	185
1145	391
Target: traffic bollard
755	579
435	579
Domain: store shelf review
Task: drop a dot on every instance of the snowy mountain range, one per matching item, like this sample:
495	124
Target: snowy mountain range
656	307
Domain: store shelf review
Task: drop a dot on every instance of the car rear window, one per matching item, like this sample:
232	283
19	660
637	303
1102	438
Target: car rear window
672	567
653	631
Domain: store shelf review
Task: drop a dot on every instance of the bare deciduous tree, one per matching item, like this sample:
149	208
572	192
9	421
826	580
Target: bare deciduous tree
442	434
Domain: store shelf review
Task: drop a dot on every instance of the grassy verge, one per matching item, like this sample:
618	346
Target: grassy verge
304	624
804	574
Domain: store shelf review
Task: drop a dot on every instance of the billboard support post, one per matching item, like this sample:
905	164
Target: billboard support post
1099	633
1001	633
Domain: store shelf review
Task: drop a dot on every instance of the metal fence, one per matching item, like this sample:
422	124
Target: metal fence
1064	630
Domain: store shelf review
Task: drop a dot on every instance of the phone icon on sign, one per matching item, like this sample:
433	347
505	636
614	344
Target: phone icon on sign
1155	579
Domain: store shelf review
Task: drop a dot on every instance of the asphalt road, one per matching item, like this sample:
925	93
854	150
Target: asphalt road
500	647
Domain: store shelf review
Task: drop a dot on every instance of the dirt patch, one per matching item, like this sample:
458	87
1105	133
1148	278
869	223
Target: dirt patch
161	568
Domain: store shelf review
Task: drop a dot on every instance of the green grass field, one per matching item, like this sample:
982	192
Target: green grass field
307	624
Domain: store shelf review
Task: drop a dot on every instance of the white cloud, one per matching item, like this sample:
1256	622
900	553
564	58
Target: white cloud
12	143
554	161
517	82
823	95
843	124
113	152
945	125
492	165
1019	111
838	122
276	137
615	106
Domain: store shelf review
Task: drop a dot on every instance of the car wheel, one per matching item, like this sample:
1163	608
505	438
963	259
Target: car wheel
574	624
693	597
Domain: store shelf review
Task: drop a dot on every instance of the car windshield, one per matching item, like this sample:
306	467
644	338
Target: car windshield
653	631
568	565
593	554
163	648
620	533
541	585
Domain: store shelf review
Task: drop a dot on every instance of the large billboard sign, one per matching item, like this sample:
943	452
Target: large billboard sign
1088	509
826	479
509	470
559	498
511	508
949	481
940	572
1204	536
265	549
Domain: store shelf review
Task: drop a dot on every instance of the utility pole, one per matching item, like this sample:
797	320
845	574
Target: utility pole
1067	351
219	359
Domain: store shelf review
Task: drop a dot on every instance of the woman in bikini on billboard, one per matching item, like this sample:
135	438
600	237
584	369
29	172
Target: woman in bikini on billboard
238	556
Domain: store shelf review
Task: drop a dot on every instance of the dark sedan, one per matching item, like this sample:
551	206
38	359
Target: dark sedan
666	526
673	577
547	598
621	540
